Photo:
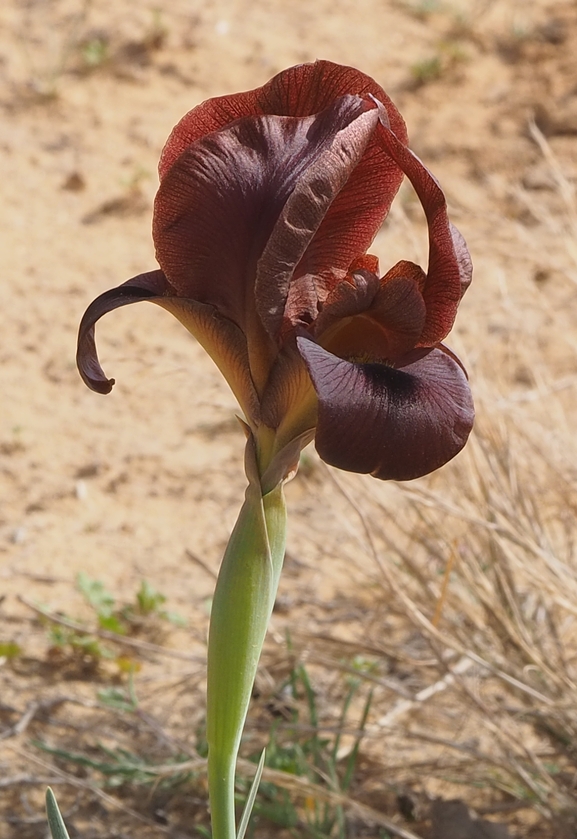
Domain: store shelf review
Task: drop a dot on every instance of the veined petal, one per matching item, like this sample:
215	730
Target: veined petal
300	91
289	403
218	204
346	128
450	269
396	423
360	193
221	338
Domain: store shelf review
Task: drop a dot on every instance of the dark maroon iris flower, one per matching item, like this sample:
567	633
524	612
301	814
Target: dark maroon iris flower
268	202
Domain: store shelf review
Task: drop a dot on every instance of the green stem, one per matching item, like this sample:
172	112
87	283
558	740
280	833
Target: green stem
242	605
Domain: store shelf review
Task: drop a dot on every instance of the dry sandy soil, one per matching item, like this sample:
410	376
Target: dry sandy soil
145	484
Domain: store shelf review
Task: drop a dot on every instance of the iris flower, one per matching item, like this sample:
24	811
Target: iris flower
268	202
267	205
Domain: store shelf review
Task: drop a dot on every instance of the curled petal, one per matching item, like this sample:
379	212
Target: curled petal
450	268
219	150
143	287
396	423
221	338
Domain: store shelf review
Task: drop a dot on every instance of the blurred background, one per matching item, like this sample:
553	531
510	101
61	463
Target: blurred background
419	679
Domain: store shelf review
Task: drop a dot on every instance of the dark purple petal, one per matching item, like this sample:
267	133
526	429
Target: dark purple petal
450	268
396	423
143	287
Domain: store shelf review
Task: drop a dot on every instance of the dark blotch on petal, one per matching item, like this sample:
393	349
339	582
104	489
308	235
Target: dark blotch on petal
396	423
143	287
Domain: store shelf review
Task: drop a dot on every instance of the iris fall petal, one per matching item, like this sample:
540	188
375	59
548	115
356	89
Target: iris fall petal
395	423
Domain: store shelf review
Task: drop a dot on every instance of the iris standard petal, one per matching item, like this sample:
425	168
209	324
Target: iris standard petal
356	209
344	131
300	91
396	423
450	269
218	205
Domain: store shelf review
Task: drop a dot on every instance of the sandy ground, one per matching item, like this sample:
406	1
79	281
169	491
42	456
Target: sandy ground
143	483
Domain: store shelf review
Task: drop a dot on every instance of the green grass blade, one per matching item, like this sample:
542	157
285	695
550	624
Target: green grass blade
351	763
251	797
55	820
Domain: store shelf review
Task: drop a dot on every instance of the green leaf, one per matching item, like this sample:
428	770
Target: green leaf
149	599
251	797
96	595
10	649
55	820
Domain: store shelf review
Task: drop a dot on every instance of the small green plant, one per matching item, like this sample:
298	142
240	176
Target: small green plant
448	55
10	650
427	70
82	648
102	602
120	766
149	603
95	51
422	9
299	749
87	649
124	620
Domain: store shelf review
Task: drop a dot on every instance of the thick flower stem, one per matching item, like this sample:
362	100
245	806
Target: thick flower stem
243	601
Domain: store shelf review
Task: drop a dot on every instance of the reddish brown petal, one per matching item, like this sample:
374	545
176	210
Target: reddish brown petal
359	209
303	90
365	262
397	424
218	205
450	269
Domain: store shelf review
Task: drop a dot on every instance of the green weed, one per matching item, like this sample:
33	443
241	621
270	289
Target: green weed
10	650
87	648
298	748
